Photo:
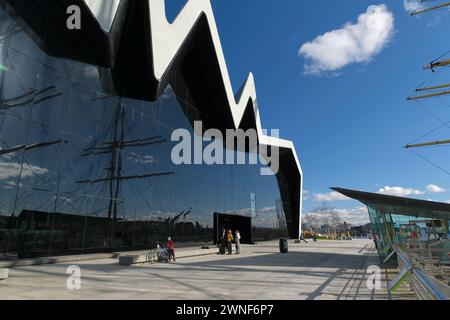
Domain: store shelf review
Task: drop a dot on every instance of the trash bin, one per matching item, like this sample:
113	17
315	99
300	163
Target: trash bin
283	245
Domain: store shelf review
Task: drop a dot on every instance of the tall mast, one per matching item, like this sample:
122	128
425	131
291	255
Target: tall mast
443	5
429	95
442	86
438	63
115	176
427	144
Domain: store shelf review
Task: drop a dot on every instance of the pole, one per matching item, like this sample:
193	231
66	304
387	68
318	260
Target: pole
442	86
415	13
430	95
437	64
427	144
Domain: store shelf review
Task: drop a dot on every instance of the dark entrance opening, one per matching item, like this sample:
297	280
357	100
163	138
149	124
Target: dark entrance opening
233	223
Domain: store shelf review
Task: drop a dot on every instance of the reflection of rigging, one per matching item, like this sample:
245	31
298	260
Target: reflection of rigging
32	97
115	170
183	213
22	99
28	147
27	98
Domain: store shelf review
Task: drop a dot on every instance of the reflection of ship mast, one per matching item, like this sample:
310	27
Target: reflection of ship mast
28	98
115	173
27	147
32	97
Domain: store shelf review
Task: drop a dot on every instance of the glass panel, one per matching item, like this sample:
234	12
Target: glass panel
82	171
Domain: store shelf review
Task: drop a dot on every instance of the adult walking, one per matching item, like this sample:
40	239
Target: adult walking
230	240
302	238
375	240
238	242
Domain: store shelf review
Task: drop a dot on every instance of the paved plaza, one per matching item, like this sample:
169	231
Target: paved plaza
331	270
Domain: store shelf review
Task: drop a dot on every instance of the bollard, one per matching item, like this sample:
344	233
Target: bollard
283	245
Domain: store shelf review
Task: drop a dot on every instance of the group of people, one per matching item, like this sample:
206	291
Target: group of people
167	250
226	240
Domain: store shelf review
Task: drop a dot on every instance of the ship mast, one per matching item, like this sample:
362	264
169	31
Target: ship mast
115	175
427	144
431	91
417	12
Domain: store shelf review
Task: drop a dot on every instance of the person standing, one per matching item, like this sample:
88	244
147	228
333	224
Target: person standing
238	242
222	242
230	240
375	240
171	248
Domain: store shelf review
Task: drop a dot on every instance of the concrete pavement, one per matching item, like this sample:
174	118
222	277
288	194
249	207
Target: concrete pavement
330	270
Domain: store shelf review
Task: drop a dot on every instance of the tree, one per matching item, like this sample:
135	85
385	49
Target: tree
335	220
325	215
311	220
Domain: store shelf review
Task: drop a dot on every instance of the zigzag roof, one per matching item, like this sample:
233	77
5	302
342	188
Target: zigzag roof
100	42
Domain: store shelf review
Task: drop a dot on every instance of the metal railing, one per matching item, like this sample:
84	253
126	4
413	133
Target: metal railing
421	281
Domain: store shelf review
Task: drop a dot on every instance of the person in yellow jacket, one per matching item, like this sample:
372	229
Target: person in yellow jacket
230	240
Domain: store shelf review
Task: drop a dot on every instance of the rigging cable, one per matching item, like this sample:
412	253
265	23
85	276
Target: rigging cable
430	132
430	162
433	114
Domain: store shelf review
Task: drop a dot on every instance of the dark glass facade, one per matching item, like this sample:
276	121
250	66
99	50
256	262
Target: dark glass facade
85	171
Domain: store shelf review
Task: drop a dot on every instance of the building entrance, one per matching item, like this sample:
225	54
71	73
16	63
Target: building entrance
233	223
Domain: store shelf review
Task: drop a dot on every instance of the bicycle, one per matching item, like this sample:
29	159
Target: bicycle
153	256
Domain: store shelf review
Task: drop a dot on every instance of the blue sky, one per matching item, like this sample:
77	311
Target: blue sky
349	125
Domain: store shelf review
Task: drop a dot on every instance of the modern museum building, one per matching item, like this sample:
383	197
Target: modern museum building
87	114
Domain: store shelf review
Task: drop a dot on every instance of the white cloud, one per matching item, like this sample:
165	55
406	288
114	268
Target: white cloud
248	211
9	185
435	189
332	196
306	194
413	5
353	43
355	216
8	156
399	191
268	209
142	159
10	170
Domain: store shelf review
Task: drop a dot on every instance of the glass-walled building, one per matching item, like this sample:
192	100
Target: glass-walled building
416	229
85	160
